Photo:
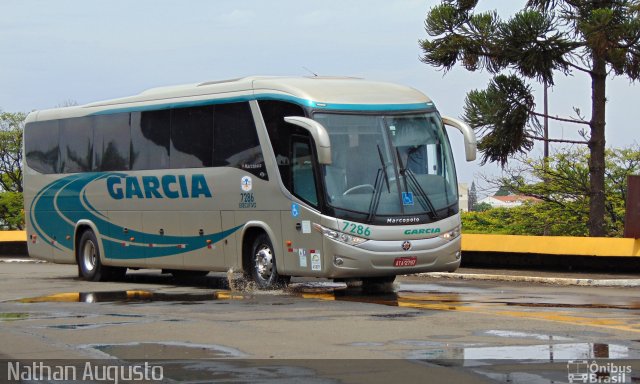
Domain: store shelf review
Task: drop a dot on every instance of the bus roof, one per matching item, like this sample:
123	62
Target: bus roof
331	93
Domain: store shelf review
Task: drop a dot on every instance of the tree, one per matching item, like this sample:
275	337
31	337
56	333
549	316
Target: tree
481	207
595	37
11	202
504	190
11	210
11	128
562	183
536	219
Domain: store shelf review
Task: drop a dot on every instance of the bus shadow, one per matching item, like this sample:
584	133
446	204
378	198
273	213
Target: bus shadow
210	281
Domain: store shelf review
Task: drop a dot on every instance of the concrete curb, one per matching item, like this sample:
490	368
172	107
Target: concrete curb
534	279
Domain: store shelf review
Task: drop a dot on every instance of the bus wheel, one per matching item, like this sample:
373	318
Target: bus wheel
89	265
263	264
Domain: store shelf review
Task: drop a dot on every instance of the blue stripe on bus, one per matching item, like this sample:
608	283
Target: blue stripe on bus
268	96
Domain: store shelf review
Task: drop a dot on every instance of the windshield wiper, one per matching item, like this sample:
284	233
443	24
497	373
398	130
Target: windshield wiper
409	175
377	186
384	169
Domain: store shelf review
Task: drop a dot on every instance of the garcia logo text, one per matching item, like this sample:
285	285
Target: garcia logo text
422	231
152	187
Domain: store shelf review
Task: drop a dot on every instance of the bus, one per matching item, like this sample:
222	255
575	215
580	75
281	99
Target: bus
328	177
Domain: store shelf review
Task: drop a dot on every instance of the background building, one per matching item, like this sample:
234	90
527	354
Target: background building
508	201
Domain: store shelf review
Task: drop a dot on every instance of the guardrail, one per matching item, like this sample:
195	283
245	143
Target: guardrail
547	245
11	236
13	243
552	245
602	254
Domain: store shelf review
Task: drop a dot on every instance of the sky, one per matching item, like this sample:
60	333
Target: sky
54	52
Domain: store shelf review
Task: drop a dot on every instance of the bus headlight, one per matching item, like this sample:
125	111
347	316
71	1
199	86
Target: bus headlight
339	236
452	234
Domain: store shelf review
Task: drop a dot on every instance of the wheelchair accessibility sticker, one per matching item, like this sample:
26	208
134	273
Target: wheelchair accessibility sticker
407	198
295	210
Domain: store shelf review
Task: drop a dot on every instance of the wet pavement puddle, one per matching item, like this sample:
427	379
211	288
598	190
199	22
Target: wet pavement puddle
164	350
540	363
205	363
95	297
133	296
431	296
524	335
621	315
87	326
423	298
536	352
488	358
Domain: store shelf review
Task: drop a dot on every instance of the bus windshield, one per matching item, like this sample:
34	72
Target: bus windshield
389	165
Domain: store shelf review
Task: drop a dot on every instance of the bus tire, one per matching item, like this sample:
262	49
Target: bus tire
88	257
262	264
89	262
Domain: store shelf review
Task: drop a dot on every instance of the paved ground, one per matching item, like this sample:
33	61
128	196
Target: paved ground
589	279
448	330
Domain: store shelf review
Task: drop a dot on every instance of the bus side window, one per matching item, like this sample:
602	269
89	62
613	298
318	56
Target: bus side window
191	137
150	139
111	142
304	184
41	146
235	139
273	113
76	145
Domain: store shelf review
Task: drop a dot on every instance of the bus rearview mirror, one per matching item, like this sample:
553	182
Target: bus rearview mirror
470	144
319	134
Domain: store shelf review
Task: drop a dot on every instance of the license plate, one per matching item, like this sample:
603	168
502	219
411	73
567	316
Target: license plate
405	261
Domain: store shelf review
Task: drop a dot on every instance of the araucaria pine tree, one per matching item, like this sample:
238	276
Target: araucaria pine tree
599	38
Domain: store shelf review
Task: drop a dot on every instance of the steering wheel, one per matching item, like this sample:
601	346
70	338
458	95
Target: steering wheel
358	187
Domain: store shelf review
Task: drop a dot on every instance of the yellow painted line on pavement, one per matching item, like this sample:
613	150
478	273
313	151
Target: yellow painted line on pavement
68	297
229	295
554	316
320	296
621	324
628	324
560	317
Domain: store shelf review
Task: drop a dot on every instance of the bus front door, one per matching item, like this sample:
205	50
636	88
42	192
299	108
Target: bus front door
303	244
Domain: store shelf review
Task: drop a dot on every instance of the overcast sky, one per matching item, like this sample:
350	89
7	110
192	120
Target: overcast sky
85	51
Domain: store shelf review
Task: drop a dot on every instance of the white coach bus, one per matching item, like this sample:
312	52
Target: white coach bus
337	178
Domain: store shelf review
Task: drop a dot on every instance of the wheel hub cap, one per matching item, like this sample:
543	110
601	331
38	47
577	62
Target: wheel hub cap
264	262
89	256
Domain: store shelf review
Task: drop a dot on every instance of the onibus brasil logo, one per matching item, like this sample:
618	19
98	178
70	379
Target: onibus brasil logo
585	371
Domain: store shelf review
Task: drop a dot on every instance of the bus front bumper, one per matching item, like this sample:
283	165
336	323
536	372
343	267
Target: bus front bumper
379	258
